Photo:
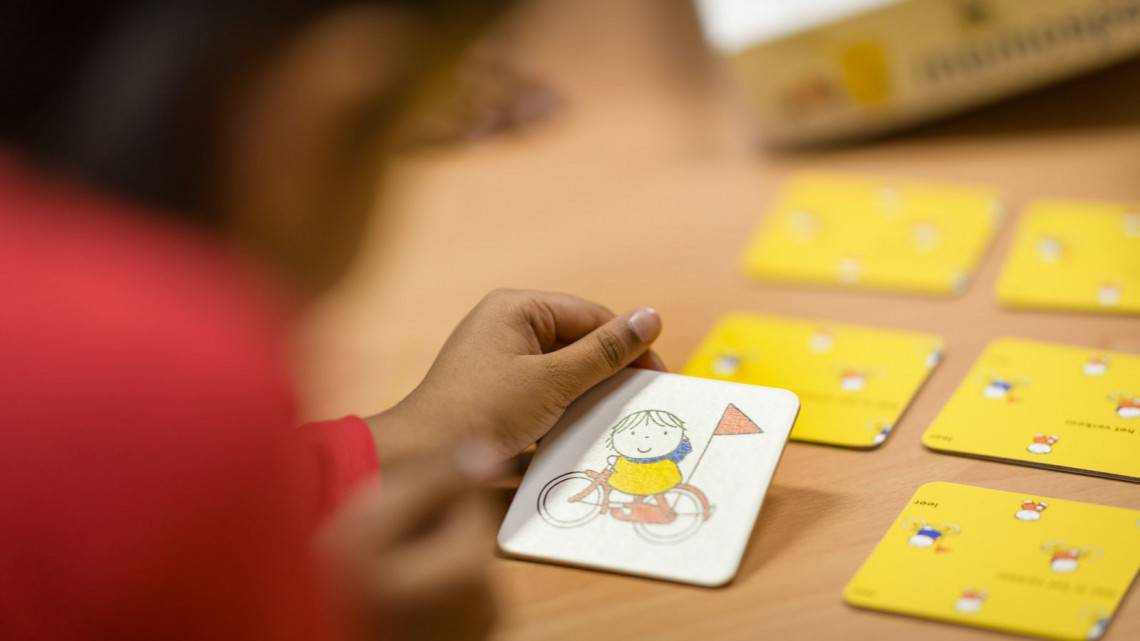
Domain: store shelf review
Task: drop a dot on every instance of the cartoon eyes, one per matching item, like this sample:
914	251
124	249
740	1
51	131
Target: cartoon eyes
633	433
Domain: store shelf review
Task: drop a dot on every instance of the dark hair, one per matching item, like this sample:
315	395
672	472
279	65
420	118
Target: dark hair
119	92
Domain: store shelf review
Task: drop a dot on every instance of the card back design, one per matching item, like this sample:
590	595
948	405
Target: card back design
1074	255
977	556
1056	406
851	231
855	381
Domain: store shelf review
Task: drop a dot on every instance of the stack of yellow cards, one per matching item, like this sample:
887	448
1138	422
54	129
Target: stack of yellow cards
1068	408
1075	255
1015	562
854	382
849	231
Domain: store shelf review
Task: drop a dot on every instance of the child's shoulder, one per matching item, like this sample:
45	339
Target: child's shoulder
136	314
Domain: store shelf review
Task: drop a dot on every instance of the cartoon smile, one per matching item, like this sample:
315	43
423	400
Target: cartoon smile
645	450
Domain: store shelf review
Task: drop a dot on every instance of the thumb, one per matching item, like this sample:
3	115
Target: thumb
604	351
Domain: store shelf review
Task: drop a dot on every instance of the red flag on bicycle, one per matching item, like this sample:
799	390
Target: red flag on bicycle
733	421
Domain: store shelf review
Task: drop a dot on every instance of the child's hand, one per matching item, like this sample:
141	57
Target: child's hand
408	557
510	369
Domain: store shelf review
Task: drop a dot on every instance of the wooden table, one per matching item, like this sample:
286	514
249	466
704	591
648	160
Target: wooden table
643	191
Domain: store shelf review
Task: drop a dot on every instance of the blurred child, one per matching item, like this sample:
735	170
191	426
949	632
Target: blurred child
175	175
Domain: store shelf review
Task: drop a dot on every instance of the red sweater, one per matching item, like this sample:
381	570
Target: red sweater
151	485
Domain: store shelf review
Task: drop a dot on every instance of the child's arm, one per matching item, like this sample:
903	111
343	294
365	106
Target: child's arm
510	369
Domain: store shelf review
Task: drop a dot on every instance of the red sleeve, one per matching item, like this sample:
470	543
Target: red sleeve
149	487
342	456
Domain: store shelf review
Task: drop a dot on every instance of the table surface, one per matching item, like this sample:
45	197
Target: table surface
642	191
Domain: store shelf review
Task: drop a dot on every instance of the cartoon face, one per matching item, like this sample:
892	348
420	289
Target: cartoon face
726	365
1095	366
997	388
1042	444
1108	294
647	440
1065	561
1128	407
970	602
925	537
851	380
1049	249
821	341
1065	558
1031	510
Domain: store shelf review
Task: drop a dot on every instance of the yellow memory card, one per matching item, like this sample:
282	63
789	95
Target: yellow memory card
1020	563
850	231
853	382
1075	255
1056	406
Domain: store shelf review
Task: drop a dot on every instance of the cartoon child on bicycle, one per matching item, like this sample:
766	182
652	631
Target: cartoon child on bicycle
649	445
662	507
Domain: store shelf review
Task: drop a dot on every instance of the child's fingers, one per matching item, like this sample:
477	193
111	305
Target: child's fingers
437	585
544	319
575	317
604	351
552	318
431	581
562	318
414	492
650	360
454	552
430	484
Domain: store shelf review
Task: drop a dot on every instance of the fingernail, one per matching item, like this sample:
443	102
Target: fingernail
645	323
478	461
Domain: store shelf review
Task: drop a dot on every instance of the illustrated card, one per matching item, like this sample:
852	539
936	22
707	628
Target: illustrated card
829	229
1075	255
654	474
1068	408
854	381
1019	563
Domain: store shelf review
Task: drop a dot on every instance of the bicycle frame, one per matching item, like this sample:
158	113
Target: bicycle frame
601	479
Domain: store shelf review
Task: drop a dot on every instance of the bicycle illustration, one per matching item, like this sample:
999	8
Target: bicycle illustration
663	509
576	498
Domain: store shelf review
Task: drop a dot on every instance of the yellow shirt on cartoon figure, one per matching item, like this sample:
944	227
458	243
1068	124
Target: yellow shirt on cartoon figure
632	477
649	445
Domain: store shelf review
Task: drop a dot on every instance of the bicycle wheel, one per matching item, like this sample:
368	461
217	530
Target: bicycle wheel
690	515
557	507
